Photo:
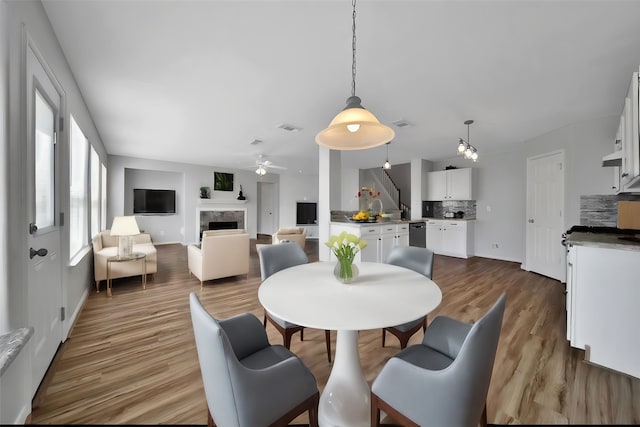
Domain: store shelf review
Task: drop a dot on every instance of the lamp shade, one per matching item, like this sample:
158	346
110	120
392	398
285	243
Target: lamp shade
354	128
124	226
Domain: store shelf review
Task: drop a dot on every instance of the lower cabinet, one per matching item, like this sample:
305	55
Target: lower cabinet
380	238
602	306
452	238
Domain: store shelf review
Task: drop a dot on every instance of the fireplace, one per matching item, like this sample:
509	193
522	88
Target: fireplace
223	225
220	218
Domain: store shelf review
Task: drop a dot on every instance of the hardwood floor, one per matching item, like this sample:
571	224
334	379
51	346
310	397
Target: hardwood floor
131	358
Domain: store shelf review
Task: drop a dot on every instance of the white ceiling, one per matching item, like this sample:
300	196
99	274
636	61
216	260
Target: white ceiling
198	81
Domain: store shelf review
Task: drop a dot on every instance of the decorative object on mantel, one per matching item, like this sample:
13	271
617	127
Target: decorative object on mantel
465	147
223	181
345	246
205	192
240	195
354	128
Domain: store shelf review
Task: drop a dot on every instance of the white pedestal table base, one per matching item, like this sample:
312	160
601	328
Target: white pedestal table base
346	398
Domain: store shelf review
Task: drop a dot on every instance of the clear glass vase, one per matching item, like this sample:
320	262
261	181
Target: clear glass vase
345	270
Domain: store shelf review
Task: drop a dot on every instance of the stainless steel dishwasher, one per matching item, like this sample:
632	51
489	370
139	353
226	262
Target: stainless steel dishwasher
418	234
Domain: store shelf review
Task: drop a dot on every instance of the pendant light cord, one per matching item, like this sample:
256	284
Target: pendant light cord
353	50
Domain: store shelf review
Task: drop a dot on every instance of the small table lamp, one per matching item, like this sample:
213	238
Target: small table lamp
124	227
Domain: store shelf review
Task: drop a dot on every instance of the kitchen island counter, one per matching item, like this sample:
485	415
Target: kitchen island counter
603	240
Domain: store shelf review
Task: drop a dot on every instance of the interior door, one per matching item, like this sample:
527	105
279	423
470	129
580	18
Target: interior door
267	208
44	260
545	215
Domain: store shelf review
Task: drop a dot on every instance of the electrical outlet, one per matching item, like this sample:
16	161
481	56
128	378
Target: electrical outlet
494	246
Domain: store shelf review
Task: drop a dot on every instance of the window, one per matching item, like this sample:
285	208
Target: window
95	192
78	190
103	202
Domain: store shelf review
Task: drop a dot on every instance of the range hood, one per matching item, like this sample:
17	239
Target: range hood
613	159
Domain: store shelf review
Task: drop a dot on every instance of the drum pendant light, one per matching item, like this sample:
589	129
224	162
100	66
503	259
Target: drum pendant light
354	128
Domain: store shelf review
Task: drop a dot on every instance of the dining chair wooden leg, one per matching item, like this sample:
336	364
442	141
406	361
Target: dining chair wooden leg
210	422
483	418
375	410
313	412
264	320
327	339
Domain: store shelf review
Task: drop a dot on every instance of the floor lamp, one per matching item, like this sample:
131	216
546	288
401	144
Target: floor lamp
124	227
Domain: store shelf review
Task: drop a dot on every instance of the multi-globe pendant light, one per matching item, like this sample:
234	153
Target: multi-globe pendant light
465	147
354	128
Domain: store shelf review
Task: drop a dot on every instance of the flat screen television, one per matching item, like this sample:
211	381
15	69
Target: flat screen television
306	213
148	201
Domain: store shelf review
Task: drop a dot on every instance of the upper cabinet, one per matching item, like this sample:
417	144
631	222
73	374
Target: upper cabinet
451	184
626	155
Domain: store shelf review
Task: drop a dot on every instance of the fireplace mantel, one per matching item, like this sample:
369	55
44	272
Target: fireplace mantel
206	202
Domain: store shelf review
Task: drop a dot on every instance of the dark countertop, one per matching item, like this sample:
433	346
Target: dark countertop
10	345
449	219
603	240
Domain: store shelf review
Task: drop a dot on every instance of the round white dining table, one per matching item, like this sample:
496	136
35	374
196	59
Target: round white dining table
382	295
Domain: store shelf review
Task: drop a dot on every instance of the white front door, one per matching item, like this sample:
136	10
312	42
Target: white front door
545	215
267	217
44	260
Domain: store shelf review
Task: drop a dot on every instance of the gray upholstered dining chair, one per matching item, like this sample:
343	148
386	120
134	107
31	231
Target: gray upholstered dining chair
274	258
419	260
247	381
443	381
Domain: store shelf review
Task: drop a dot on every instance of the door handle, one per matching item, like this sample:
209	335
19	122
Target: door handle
40	252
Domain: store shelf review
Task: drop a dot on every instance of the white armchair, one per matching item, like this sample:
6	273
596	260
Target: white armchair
295	234
222	253
105	245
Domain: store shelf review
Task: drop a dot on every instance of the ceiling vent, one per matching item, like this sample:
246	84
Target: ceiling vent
256	142
401	123
289	128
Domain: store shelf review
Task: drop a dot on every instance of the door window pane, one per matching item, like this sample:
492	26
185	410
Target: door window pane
44	163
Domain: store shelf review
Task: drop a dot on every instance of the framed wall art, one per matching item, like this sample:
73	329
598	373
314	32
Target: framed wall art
222	181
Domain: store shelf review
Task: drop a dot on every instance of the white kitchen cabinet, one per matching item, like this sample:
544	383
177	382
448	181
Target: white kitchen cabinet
402	235
601	303
380	238
626	156
451	184
452	238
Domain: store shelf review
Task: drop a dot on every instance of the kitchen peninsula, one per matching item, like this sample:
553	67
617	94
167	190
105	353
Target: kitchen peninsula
602	298
380	237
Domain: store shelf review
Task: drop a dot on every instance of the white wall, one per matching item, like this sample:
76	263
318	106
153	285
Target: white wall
500	183
163	228
184	229
15	17
4	143
295	188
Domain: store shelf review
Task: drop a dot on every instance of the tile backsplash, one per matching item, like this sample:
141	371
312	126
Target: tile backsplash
602	210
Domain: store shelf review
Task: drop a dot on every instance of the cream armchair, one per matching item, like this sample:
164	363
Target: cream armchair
296	234
105	246
222	253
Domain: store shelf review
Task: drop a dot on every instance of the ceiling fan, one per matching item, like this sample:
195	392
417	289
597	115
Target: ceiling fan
262	165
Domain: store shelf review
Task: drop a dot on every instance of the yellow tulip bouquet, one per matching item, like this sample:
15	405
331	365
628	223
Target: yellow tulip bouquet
345	246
